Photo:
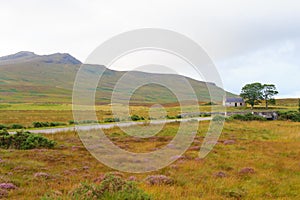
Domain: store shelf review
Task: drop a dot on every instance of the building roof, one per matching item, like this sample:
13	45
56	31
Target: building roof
235	100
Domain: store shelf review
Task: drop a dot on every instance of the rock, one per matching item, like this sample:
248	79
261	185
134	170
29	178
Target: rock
159	180
247	170
194	148
229	142
7	186
220	174
1	160
41	174
85	167
131	178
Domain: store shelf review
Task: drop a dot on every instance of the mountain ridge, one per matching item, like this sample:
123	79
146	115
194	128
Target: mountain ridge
27	56
31	78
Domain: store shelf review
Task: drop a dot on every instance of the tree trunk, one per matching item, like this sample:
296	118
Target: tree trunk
267	104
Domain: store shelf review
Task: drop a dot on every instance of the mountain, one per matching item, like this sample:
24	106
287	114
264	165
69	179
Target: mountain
29	78
27	56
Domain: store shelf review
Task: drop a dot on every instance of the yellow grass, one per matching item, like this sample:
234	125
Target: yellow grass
270	148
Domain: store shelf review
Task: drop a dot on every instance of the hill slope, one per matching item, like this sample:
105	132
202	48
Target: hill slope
26	78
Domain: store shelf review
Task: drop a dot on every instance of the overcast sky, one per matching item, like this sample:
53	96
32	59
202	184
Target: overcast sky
249	40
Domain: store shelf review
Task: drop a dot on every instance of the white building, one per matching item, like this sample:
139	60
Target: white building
234	102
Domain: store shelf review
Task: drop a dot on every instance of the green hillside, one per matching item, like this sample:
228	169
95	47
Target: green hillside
26	77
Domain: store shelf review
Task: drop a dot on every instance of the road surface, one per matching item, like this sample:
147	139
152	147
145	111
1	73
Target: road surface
107	126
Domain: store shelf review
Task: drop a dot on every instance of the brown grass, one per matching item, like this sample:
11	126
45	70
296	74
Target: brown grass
270	148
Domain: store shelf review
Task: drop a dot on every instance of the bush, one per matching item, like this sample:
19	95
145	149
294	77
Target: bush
2	126
112	187
47	124
16	126
210	104
136	118
174	117
71	122
88	121
24	140
109	120
248	117
57	124
170	117
40	124
205	115
178	116
289	115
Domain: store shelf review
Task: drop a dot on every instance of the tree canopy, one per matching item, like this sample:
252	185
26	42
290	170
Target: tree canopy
253	93
268	91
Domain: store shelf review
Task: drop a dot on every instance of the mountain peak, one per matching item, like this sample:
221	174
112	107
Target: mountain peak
26	56
61	58
19	55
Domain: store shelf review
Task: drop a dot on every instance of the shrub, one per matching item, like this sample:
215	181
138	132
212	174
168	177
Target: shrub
136	118
108	120
47	124
5	140
40	124
248	117
57	124
178	116
111	187
205	115
210	104
16	126
289	115
2	126
24	140
170	117
71	122
88	121
174	117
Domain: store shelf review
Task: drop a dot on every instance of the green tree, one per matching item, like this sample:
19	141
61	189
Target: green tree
268	92
252	93
299	105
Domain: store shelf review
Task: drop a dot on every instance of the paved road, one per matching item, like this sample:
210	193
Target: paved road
107	126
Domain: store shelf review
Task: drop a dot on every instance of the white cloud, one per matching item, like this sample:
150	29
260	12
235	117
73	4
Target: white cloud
228	30
277	64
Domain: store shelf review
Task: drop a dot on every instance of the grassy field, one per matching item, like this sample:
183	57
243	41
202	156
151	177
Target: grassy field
25	114
270	148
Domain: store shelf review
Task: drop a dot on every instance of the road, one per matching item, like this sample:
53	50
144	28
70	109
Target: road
107	126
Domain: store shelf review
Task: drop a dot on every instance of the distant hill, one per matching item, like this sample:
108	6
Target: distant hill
26	56
26	78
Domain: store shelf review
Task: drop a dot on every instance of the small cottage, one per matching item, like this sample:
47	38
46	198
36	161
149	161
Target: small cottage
234	102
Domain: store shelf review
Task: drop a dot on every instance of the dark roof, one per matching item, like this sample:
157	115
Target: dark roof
236	100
